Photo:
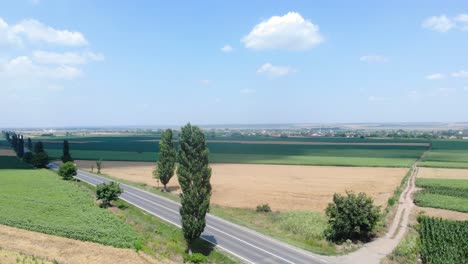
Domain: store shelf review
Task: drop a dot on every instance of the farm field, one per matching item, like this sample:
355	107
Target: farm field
283	187
48	248
38	200
443	173
450	194
146	149
447	154
443	241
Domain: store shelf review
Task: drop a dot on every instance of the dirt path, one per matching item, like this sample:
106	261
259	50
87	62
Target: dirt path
374	251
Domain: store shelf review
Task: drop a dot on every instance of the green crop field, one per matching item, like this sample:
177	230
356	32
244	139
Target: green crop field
138	148
443	241
450	194
9	162
39	200
447	154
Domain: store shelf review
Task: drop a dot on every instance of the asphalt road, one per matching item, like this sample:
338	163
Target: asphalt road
245	244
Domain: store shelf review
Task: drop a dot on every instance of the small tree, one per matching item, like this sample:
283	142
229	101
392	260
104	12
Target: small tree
351	217
67	170
66	157
108	192
167	156
98	166
194	176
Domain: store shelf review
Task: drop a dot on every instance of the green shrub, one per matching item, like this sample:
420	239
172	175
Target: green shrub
351	217
28	157
40	160
67	170
263	208
195	258
108	192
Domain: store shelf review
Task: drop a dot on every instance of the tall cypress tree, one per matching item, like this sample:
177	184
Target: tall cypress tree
66	157
14	142
38	147
194	176
20	148
30	146
167	157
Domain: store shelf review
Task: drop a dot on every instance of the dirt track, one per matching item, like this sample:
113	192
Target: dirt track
283	187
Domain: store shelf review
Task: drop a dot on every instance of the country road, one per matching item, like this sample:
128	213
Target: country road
245	244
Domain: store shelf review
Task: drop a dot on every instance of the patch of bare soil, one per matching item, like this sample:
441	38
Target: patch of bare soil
439	173
10	257
7	152
283	187
66	250
441	213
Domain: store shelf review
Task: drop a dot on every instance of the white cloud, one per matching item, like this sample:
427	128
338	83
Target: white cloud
36	32
374	58
435	76
66	58
274	71
376	98
463	20
288	32
439	23
247	91
23	67
460	74
206	82
227	48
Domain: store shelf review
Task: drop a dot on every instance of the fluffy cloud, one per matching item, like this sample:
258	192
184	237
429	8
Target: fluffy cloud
36	32
227	48
274	71
373	58
435	76
24	67
288	32
443	23
439	23
460	74
66	58
247	91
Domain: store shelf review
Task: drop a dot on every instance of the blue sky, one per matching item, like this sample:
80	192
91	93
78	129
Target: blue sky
80	63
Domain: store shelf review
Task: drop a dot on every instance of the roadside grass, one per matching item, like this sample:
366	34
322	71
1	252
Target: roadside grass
38	200
407	250
450	194
161	239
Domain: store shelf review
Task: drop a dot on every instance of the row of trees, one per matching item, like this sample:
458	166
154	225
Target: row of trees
193	174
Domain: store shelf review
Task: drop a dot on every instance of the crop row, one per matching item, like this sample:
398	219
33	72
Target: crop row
443	241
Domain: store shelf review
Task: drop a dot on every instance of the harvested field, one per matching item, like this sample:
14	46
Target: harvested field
438	173
7	152
284	187
66	250
442	213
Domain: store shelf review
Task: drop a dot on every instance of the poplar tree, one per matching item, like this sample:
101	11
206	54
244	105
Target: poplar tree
194	178
66	157
30	146
20	148
167	157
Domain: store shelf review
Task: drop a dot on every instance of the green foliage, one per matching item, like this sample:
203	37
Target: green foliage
443	241
40	160
38	147
66	157
9	162
167	158
108	192
38	200
194	176
30	145
98	166
308	224
450	194
351	217
195	258
263	208
28	157
408	249
20	147
67	170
